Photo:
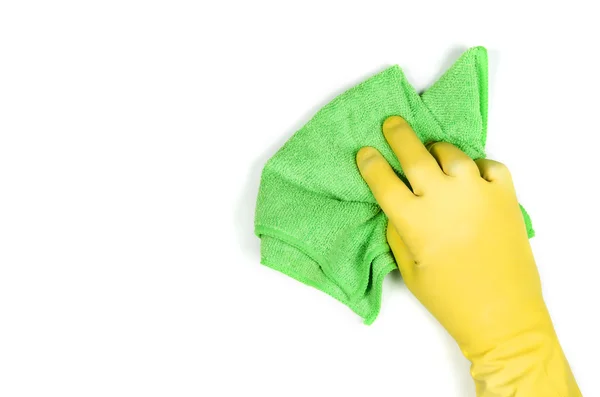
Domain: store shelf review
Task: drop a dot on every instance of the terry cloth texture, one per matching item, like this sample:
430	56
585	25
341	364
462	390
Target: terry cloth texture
317	219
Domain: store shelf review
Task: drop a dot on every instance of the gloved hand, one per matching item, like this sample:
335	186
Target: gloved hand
461	245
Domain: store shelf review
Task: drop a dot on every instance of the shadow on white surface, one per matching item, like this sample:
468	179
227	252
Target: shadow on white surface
395	289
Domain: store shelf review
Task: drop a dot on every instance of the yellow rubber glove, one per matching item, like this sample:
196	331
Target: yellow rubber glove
461	245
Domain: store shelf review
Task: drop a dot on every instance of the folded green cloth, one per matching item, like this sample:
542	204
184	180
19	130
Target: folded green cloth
317	219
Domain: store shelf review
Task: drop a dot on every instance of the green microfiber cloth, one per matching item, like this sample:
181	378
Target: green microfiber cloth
317	219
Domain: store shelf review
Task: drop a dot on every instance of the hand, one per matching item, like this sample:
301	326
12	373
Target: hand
461	244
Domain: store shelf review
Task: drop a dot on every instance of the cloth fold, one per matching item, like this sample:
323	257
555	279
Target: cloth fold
317	219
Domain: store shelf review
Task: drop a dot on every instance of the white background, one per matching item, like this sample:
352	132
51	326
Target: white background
132	136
